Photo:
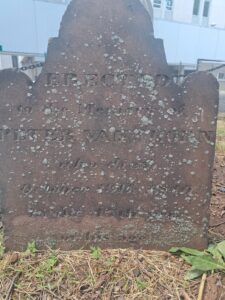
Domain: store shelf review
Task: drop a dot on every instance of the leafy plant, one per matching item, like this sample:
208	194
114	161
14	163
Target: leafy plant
2	250
209	260
46	267
110	261
96	253
31	248
141	284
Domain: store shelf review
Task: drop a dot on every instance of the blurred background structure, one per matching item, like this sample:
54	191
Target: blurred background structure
193	32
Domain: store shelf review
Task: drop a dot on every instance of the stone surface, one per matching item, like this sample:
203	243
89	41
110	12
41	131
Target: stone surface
104	149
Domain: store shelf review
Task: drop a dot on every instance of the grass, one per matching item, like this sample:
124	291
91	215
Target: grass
220	144
114	274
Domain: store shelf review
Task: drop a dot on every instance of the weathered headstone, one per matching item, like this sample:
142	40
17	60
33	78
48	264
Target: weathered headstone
104	148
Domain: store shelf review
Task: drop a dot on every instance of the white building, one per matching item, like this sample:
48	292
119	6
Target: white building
198	12
191	30
194	36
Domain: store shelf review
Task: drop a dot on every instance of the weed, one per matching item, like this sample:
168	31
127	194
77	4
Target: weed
96	253
209	260
31	248
2	248
47	267
110	261
220	147
141	284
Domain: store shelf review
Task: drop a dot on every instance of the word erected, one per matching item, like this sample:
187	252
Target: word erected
107	80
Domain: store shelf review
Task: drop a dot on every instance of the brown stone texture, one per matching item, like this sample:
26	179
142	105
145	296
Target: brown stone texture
104	149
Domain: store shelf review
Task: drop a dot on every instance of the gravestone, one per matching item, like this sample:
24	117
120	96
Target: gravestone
104	148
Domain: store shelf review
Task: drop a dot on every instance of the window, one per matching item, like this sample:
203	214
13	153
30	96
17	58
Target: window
196	7
221	76
169	4
206	9
15	61
157	3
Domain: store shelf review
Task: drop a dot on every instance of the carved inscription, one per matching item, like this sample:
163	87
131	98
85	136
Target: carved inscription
64	189
116	163
130	235
107	188
129	213
102	135
93	109
107	80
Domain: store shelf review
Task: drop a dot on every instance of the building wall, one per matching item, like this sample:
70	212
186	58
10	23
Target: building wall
217	14
26	25
5	62
186	43
182	11
30	23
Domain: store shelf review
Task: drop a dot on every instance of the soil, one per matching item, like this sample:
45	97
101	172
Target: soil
215	285
217	209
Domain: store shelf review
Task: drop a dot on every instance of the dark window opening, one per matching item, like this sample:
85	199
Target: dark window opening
15	61
196	7
169	4
221	76
157	3
206	9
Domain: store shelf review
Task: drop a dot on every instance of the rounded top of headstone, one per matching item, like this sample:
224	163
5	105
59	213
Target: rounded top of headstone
148	6
98	11
103	35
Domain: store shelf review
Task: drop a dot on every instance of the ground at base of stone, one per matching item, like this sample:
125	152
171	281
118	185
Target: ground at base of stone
116	274
113	274
121	275
217	209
